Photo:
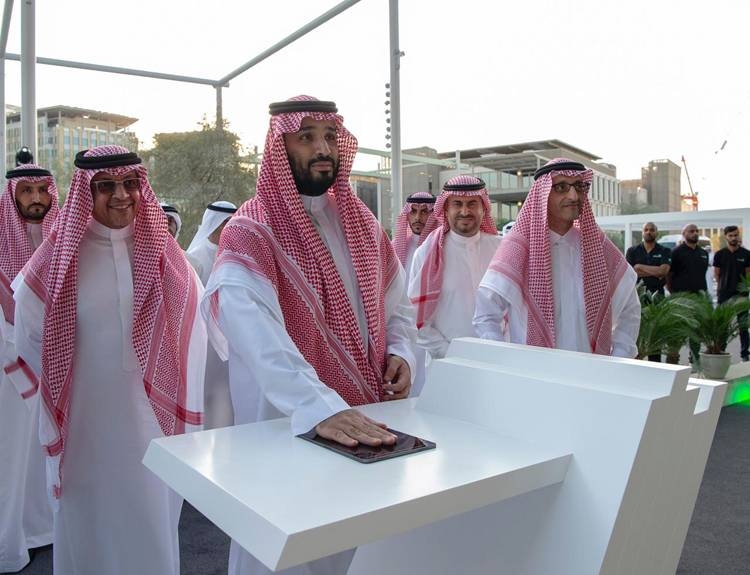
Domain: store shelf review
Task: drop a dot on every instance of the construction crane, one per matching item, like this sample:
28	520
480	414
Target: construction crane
691	199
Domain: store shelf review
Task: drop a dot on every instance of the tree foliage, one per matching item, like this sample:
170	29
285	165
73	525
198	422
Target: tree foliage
189	170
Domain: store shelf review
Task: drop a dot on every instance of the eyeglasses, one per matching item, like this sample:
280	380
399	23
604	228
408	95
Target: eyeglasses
109	186
564	187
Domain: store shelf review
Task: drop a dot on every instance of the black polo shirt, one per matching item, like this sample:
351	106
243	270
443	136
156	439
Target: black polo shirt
689	267
658	256
731	270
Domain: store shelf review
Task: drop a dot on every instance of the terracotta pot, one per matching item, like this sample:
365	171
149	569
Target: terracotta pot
715	365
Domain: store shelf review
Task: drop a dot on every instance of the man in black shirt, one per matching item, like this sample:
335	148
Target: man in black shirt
731	265
651	261
689	264
688	274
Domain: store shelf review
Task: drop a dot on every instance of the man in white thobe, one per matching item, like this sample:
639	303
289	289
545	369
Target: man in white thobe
28	209
201	254
450	263
407	237
307	265
107	315
174	222
556	280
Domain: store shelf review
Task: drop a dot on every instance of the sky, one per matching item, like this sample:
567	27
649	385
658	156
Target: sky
627	81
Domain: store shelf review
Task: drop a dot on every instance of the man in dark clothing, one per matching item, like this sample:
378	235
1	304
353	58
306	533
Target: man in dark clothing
731	265
651	261
688	274
689	264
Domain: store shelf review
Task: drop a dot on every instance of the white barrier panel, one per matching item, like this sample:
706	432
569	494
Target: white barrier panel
500	494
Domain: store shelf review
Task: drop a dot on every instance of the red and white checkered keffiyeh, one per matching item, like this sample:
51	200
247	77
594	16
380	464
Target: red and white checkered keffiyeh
524	259
402	234
272	236
437	226
165	301
15	247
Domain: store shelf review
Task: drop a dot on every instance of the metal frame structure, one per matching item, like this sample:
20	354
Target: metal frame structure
29	60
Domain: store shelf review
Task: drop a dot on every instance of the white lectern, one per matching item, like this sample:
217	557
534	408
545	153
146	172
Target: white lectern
547	462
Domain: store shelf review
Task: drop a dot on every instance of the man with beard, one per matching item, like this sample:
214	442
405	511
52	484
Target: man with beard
307	265
688	275
650	260
407	236
557	281
107	316
461	240
731	266
27	211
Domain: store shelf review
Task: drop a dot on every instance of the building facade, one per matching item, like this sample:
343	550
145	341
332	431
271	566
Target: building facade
662	180
508	171
63	131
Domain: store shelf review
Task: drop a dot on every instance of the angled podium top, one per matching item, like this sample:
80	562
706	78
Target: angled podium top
287	501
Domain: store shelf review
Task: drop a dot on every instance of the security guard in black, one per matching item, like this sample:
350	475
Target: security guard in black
689	265
658	256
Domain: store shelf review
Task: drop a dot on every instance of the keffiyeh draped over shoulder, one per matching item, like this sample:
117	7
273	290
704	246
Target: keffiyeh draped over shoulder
273	238
165	297
522	265
435	230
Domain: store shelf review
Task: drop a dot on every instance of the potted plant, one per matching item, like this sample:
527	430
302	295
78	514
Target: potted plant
716	327
666	323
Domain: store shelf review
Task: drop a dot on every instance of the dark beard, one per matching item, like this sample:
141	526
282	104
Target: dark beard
306	184
33	217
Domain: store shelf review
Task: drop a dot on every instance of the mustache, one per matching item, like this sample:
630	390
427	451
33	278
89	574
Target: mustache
321	159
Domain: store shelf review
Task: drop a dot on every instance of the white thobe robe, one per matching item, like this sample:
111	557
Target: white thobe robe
115	517
465	259
420	355
494	320
25	514
217	398
411	249
270	378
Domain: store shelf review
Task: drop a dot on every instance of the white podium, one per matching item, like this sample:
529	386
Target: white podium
547	462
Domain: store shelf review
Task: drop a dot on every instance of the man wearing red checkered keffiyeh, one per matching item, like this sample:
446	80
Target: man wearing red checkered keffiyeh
107	315
307	265
27	211
449	264
557	281
407	235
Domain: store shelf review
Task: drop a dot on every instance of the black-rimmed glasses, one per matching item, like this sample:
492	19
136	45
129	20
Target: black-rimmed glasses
564	187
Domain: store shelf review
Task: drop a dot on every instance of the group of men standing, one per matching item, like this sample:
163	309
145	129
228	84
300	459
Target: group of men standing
309	308
684	270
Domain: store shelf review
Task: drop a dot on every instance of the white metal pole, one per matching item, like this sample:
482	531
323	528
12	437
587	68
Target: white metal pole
7	11
396	183
28	76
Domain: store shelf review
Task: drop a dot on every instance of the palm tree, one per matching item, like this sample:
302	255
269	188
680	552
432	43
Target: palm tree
666	323
719	325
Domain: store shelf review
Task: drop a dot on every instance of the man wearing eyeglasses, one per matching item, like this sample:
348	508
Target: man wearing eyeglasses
556	280
27	211
107	317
